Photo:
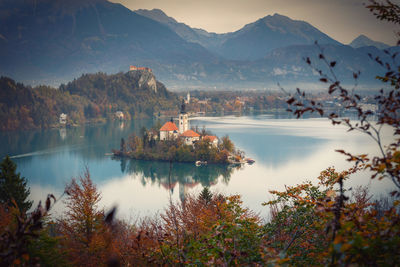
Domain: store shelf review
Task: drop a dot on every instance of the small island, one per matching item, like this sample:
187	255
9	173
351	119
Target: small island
180	144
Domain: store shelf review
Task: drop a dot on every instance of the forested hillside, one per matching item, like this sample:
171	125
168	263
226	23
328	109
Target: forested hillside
92	97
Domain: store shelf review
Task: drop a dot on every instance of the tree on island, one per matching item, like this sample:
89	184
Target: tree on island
227	144
13	187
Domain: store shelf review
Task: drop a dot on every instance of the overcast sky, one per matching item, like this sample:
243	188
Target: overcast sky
343	20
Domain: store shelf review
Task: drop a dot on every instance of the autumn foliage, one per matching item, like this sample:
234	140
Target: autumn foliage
323	224
310	224
86	238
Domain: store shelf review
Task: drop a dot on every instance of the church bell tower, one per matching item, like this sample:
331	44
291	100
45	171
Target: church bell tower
183	119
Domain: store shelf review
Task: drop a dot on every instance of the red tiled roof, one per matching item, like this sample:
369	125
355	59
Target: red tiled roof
168	186
169	126
190	133
191	185
211	138
139	68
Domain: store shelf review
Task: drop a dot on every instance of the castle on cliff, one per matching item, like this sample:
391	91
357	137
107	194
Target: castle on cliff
139	68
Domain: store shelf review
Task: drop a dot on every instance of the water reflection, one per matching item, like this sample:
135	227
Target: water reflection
95	140
286	151
63	133
170	175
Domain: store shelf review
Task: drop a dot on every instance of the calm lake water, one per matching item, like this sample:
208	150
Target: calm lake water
286	151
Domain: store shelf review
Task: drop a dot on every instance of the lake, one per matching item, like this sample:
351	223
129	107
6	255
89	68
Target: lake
287	152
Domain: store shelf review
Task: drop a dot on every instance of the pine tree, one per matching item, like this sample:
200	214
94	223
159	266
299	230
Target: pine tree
13	186
206	195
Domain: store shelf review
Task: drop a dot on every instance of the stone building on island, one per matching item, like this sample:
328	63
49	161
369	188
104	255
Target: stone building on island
190	137
170	131
183	119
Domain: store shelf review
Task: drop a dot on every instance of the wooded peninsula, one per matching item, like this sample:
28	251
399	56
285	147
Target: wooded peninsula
90	98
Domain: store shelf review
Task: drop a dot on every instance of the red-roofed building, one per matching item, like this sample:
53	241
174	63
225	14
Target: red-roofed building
169	186
168	131
190	133
190	137
212	139
169	126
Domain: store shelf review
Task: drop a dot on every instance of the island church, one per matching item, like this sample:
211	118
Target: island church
170	131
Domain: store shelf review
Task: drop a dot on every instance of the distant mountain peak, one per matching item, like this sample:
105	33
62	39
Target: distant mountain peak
154	11
280	18
363	40
156	14
277	15
255	39
157	10
193	35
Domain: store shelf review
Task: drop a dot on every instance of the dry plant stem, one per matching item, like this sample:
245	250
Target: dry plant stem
351	102
26	227
174	216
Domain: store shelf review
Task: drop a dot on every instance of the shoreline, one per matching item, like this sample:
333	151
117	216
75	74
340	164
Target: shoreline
115	156
118	155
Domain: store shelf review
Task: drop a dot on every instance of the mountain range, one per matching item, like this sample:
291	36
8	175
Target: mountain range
363	40
54	41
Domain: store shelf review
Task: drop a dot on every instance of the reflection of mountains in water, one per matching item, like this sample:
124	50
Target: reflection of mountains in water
89	142
183	173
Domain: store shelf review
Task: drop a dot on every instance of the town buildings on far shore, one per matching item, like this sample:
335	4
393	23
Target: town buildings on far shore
170	131
63	119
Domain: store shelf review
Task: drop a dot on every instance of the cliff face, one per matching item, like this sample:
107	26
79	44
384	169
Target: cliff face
145	79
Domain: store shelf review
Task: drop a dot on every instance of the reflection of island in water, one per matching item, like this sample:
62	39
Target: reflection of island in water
186	175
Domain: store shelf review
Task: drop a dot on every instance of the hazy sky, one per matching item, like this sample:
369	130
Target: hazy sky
343	20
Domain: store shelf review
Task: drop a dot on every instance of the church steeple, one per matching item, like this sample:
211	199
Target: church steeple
183	107
183	119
